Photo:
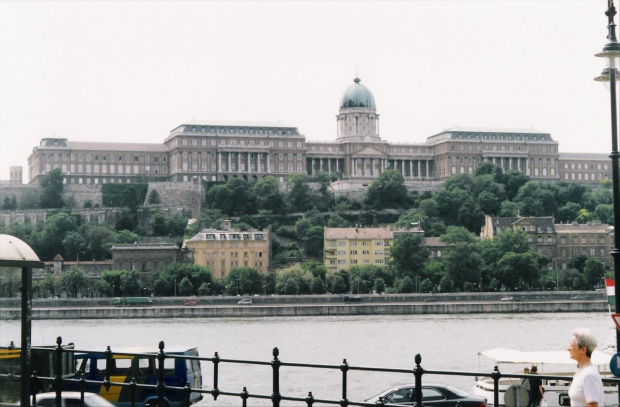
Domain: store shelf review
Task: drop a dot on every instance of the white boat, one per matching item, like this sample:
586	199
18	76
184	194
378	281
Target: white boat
552	363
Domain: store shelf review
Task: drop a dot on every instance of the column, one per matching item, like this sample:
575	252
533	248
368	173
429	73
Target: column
426	163
238	162
258	162
410	168
229	161
219	161
419	169
268	162
337	164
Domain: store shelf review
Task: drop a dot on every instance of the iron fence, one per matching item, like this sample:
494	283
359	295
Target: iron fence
60	384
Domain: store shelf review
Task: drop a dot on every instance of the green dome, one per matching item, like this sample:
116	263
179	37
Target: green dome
357	95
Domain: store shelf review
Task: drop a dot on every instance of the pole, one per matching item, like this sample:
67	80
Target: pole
25	352
615	253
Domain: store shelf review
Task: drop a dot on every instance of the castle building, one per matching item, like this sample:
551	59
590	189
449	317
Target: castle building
218	150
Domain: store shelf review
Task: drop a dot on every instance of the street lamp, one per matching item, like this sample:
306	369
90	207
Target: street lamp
175	287
611	52
113	291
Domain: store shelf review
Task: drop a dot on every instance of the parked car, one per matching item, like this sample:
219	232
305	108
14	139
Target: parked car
433	394
191	303
72	399
245	301
580	298
507	299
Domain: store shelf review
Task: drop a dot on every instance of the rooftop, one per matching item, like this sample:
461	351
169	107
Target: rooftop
358	233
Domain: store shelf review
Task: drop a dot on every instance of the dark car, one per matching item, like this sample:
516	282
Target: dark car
433	394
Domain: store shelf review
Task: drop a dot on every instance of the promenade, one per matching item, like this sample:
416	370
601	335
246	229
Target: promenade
314	305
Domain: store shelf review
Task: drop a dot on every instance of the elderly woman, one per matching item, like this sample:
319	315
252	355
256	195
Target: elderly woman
586	390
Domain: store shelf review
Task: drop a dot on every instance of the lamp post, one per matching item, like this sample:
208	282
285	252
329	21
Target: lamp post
611	52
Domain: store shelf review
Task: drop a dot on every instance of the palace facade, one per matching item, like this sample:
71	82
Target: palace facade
217	151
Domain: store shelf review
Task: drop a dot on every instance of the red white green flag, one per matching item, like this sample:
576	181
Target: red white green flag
610	288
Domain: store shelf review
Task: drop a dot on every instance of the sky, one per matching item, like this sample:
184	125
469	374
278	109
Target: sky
131	71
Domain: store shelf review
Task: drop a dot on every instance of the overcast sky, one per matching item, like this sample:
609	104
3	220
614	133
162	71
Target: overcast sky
134	70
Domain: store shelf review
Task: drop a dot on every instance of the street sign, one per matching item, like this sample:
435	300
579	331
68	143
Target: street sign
614	365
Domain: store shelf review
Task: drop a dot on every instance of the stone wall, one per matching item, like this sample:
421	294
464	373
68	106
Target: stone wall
355	189
180	194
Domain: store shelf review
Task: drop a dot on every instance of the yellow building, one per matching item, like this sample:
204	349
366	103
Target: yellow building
347	247
221	250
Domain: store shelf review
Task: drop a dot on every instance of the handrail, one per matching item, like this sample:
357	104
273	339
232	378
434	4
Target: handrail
162	390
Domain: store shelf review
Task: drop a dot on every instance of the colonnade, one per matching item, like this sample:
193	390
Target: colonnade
521	164
370	167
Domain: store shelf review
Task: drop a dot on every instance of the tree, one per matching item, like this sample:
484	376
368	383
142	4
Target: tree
247	280
88	204
463	263
593	272
30	199
312	241
578	262
185	287
269	196
154	198
567	213
220	197
52	187
54	231
73	280
300	195
242	196
408	255
518	269
457	234
387	191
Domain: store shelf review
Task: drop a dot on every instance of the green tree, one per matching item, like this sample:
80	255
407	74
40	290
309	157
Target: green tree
247	280
387	191
73	281
593	272
463	263
154	198
242	196
30	199
50	286
518	269
312	241
88	204
406	285
379	286
185	287
220	197
578	262
408	255
55	229
605	213
457	234
300	196
567	213
269	196
51	189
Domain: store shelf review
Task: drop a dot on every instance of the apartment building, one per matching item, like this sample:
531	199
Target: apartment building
347	247
223	249
558	242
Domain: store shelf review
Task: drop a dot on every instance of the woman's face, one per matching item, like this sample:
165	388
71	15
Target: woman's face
574	350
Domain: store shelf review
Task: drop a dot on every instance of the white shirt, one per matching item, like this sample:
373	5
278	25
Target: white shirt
586	387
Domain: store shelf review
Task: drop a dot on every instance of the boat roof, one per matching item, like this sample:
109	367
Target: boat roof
140	350
504	355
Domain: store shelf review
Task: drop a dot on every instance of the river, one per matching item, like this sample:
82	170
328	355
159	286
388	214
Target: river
445	342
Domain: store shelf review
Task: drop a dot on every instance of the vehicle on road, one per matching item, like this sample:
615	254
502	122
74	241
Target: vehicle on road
580	298
132	301
72	399
433	394
191	303
351	298
245	301
507	298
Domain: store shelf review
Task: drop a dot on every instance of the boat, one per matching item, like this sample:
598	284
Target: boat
555	363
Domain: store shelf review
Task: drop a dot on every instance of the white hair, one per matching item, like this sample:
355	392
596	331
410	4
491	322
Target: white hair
586	338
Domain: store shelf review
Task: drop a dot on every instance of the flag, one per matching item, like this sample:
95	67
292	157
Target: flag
610	289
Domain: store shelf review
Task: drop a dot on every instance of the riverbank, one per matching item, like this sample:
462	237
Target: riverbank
332	305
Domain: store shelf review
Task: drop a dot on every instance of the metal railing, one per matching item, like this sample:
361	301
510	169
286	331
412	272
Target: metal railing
163	391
